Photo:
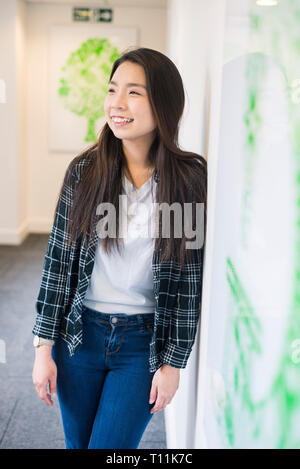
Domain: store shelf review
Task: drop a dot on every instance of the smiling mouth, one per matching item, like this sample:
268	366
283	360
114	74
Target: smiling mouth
121	123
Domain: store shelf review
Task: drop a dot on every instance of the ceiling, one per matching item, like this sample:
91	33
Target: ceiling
108	3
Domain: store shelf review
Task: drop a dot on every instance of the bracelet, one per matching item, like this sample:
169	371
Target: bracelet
41	341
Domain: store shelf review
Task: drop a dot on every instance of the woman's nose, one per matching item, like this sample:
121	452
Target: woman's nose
118	101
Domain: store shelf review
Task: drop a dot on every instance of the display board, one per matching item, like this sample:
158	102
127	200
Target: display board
253	357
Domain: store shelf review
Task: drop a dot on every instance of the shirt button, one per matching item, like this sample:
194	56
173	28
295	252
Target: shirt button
114	320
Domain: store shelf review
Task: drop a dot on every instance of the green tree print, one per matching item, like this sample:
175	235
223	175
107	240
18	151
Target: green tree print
83	86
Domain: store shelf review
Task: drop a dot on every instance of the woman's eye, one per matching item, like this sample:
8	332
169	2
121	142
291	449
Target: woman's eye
110	89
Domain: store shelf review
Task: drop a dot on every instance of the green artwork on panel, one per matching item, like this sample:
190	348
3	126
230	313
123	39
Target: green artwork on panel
255	72
242	414
83	86
244	338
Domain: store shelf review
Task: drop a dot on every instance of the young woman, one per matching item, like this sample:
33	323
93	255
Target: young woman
117	315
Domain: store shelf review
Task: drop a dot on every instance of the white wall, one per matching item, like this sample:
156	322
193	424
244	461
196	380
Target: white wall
22	177
30	175
13	207
195	44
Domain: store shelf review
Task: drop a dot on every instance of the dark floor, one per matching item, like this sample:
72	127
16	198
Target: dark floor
25	420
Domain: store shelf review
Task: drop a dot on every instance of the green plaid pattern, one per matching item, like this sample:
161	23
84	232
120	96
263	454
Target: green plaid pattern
66	274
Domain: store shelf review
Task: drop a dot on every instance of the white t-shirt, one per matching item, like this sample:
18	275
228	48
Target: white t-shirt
123	283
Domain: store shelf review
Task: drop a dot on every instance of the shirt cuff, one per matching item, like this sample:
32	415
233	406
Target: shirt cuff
175	355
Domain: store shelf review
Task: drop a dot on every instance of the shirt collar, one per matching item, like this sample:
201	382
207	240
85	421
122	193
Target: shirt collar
130	188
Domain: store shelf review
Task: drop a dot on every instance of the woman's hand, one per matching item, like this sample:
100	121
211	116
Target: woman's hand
165	383
44	372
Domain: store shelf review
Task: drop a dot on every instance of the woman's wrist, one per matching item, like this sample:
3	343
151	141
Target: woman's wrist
165	366
43	351
44	347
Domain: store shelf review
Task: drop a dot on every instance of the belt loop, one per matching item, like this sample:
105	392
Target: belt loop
140	321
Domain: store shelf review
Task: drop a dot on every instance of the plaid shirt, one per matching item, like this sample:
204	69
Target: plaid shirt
66	274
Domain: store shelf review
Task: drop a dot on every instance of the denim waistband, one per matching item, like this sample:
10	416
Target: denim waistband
123	318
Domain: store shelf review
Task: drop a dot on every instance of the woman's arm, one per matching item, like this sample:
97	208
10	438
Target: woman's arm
184	319
182	333
50	301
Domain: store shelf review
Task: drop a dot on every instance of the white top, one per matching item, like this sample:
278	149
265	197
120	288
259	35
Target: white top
123	283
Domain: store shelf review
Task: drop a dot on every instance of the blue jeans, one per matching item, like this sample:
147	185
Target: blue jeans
104	388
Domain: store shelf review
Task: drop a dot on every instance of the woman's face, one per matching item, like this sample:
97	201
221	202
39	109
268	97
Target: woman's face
127	98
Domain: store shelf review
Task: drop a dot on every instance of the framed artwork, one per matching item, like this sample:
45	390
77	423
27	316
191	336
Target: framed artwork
80	62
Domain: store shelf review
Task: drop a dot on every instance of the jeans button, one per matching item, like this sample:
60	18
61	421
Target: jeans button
114	320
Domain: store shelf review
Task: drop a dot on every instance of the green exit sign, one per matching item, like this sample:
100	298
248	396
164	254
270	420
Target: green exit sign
82	14
93	14
103	14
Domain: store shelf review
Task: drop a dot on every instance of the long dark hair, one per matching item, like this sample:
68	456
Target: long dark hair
180	178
